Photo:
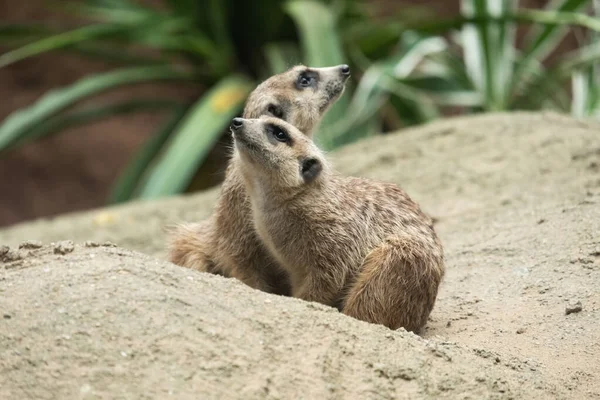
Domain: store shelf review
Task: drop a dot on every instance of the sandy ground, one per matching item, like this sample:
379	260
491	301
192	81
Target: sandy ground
517	203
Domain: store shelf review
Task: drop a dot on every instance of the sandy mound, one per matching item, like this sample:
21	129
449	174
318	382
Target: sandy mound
116	322
517	199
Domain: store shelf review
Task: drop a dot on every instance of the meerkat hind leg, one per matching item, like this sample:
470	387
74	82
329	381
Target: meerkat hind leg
396	286
190	246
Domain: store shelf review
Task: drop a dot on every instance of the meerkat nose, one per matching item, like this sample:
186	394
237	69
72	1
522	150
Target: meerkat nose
237	123
345	69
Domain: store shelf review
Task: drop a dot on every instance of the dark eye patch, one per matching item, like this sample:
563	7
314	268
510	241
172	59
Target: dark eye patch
307	79
275	111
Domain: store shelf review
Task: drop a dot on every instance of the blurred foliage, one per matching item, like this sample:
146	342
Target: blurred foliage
407	69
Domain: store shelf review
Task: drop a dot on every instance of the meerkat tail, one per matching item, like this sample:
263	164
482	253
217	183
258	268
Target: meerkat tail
397	284
189	246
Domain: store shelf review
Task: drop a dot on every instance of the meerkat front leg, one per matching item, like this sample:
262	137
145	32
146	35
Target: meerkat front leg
397	284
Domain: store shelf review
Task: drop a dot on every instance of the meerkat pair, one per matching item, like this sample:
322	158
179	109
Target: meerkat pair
359	245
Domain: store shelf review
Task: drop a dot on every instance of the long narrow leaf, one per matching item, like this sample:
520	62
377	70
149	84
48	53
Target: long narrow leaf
585	81
505	51
125	186
59	41
91	114
542	39
155	31
281	56
475	45
581	93
381	80
218	20
195	136
21	122
545	85
10	33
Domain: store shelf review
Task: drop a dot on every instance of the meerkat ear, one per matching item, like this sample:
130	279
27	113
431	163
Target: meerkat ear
310	168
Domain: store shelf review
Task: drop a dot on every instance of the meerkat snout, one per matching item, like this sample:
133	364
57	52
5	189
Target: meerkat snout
237	123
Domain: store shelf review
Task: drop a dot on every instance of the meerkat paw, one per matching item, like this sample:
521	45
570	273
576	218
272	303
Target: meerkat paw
397	284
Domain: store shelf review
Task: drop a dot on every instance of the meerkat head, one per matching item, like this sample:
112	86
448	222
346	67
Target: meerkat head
277	153
300	96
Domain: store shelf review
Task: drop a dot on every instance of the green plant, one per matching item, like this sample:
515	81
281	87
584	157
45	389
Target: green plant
184	41
479	67
407	69
586	80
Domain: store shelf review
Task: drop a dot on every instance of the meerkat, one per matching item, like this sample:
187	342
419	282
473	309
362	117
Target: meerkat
226	243
360	245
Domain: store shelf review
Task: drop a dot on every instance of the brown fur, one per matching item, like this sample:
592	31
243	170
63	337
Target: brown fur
227	243
358	244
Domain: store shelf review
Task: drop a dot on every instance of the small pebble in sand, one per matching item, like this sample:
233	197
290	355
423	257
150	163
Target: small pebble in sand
573	307
109	244
64	247
31	244
12	255
4	250
520	331
91	243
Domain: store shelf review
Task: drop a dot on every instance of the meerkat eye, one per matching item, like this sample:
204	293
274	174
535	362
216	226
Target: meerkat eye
305	80
280	134
275	111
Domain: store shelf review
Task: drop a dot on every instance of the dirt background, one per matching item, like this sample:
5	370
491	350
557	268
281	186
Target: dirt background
75	169
517	203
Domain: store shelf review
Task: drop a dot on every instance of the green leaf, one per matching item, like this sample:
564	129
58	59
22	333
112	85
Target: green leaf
165	33
125	186
195	136
443	90
382	79
541	40
488	47
281	56
548	84
368	98
585	81
59	41
582	93
115	11
91	114
10	33
317	27
322	48
373	40
21	122
413	107
186	7
218	10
